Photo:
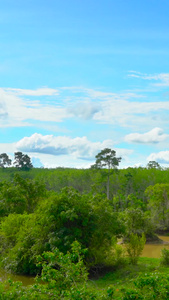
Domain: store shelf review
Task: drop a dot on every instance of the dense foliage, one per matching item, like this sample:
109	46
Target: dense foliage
44	212
57	221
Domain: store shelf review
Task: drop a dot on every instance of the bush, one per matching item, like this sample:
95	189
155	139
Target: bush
58	221
148	286
132	294
64	276
164	257
135	247
117	256
153	285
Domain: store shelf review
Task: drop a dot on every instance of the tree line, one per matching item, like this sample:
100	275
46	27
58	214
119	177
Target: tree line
21	161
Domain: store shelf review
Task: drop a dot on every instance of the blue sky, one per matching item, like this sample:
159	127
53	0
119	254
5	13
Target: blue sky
79	76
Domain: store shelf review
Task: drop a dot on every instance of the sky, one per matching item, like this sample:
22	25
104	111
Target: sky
80	76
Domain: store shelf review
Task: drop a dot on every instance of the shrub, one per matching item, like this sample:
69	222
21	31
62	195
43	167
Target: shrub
164	257
117	256
153	285
132	294
64	276
135	247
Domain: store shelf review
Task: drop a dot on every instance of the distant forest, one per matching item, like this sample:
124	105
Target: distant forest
123	182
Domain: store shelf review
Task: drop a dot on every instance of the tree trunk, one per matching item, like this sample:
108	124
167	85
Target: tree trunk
108	182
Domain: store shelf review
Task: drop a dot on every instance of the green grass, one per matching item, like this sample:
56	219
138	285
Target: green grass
123	277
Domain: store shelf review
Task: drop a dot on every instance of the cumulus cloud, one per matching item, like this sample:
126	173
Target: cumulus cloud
161	157
79	147
155	135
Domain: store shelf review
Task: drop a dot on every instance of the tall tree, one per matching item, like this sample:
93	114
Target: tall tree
5	161
22	161
107	159
153	165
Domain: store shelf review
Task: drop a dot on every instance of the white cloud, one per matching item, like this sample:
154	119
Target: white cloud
16	111
123	153
155	135
36	162
111	96
161	157
163	78
38	92
132	114
62	151
79	147
84	110
7	148
86	104
122	109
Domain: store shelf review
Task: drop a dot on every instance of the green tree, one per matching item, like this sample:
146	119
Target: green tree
58	221
20	195
18	234
22	161
32	190
153	165
5	161
138	222
158	203
107	159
